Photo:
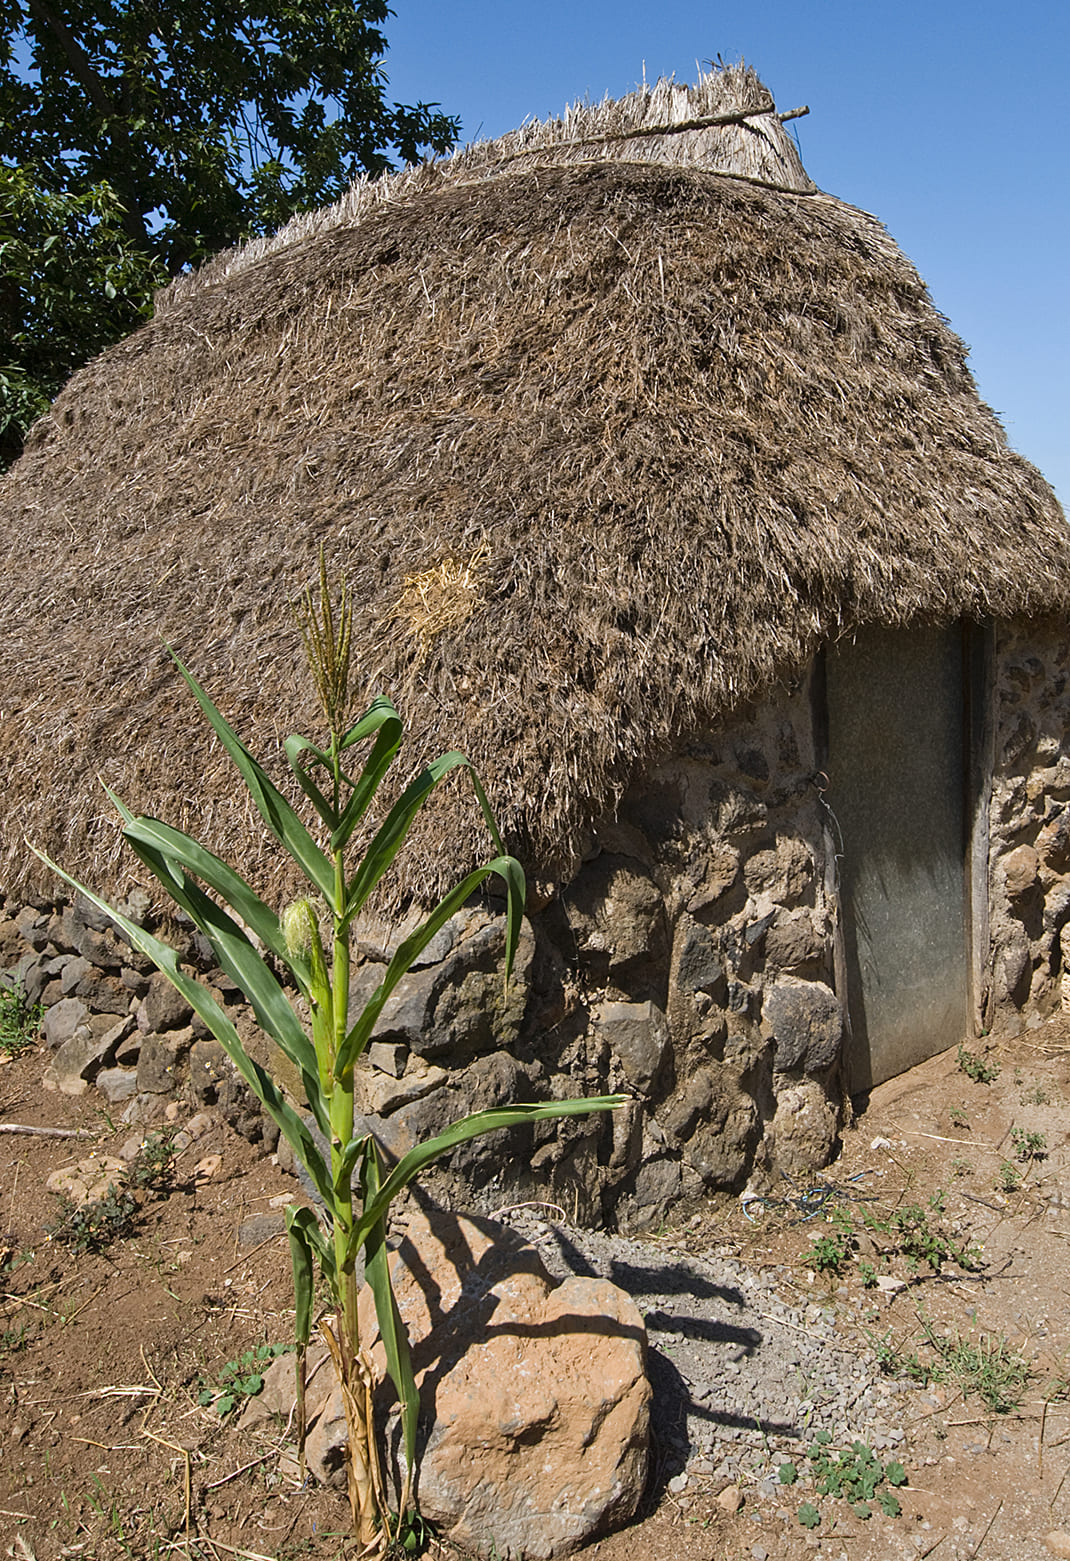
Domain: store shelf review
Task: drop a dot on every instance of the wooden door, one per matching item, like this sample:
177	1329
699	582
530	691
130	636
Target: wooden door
897	788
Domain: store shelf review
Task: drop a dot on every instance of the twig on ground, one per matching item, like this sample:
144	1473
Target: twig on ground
233	1475
184	1452
251	1254
984	1536
532	1203
46	1132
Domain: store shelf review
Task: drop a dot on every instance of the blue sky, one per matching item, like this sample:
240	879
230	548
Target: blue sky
948	120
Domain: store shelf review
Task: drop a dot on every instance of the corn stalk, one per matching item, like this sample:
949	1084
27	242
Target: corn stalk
227	910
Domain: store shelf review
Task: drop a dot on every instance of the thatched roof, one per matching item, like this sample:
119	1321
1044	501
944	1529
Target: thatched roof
608	435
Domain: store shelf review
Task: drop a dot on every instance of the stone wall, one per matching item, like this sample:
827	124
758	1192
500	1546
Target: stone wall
687	965
1029	871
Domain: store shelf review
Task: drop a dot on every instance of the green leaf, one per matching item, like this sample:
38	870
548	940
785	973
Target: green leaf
889	1504
392	1330
269	802
809	1516
391	836
895	1474
861	1510
244	966
381	717
203	1003
423	1155
409	950
218	875
787	1474
294	747
302	1243
351	1153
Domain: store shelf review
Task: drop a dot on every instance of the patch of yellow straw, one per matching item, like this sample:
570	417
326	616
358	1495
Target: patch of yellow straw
440	598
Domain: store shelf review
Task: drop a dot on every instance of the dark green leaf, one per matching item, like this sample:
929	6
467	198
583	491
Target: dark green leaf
269	802
381	717
203	1003
391	1328
418	1159
243	964
302	1245
412	946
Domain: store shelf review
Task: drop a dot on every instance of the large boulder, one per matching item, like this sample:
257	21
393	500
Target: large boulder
534	1393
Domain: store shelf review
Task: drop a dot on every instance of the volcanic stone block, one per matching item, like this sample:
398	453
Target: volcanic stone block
117	1084
804	1129
163	1007
618	919
461	1006
698	963
105	994
157	1065
1020	869
806	1023
62	1020
793	940
73	970
638	1033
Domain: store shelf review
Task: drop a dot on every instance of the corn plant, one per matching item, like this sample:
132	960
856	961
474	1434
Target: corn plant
311	939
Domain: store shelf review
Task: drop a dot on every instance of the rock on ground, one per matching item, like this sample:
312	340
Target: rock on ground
535	1403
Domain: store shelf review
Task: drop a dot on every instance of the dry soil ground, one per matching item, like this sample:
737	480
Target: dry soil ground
105	1357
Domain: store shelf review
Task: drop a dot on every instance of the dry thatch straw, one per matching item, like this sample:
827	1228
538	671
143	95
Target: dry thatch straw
440	598
700	424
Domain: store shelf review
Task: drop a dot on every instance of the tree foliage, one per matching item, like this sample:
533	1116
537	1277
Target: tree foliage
139	137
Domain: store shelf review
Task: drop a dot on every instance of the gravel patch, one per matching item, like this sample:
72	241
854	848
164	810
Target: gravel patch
741	1377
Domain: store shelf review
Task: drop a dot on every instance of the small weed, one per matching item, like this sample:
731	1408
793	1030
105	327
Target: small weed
895	1362
1029	1146
20	1020
867	1273
857	1475
1008	1177
919	1240
12	1257
12	1340
960	1166
413	1535
829	1254
153	1167
977	1068
809	1516
989	1368
1037	1096
240	1379
96	1225
956	1115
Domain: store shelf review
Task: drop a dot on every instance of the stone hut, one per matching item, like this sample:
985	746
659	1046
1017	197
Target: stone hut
664	491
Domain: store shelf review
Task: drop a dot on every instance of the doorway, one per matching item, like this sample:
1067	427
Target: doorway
898	704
